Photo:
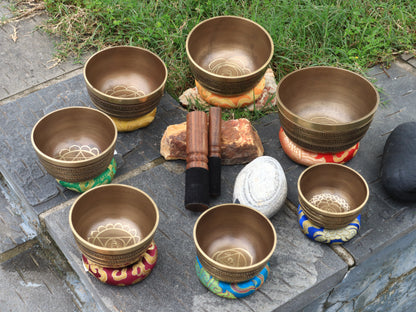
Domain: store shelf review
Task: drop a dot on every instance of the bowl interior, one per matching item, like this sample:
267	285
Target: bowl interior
333	188
229	46
327	95
114	216
74	134
235	236
125	72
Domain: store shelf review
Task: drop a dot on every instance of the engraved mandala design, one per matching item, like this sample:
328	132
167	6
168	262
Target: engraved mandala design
235	257
114	236
330	202
77	152
124	91
228	67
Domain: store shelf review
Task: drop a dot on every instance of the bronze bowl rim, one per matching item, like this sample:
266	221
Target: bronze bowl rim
302	122
232	269
230	78
334	214
73	163
116	99
108	250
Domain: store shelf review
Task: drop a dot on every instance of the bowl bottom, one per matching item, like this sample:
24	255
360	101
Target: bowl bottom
77	152
116	234
231	290
234	256
124	91
129	275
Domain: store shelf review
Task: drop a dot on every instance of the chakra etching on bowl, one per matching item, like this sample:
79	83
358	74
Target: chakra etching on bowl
235	257
228	67
124	91
330	202
114	236
77	152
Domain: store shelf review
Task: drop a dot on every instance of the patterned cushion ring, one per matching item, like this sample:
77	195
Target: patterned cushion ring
231	290
307	158
129	275
236	101
105	178
322	235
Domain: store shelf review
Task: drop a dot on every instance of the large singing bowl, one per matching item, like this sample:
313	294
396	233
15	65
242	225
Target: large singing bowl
75	144
332	195
228	55
114	225
326	109
125	82
234	242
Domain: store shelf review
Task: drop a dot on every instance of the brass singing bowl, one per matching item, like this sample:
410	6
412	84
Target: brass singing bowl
75	144
114	224
234	242
326	109
228	55
332	195
125	81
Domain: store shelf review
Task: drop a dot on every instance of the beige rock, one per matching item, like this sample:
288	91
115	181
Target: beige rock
240	142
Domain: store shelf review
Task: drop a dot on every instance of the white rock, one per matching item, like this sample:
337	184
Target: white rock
262	185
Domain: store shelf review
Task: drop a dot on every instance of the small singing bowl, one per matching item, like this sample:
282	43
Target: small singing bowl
326	109
114	224
332	195
228	55
125	82
234	242
74	144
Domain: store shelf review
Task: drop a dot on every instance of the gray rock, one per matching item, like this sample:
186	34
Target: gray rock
261	185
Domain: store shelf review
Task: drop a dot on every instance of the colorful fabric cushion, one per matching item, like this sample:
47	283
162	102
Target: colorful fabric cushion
322	235
307	158
126	125
231	290
235	101
105	178
129	275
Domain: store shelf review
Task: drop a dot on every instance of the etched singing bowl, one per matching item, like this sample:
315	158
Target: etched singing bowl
234	242
332	195
125	81
228	55
326	109
113	225
74	144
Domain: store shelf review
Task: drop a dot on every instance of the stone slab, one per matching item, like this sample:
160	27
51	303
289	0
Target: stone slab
384	219
384	282
173	284
31	282
14	230
18	161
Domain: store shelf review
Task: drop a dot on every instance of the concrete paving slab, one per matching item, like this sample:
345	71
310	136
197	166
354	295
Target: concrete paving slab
174	286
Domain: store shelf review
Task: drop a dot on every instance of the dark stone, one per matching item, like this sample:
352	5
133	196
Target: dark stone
398	173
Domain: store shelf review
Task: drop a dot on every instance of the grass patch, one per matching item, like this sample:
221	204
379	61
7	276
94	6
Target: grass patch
352	34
